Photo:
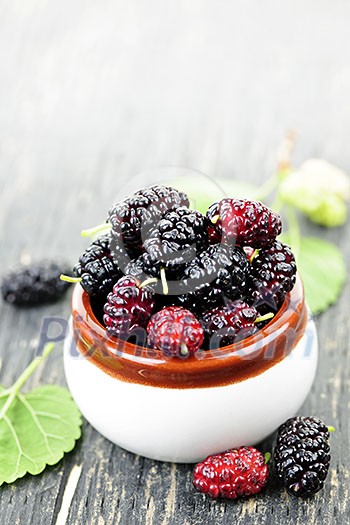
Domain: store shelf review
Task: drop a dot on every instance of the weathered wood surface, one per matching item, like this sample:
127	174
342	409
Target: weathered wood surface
92	93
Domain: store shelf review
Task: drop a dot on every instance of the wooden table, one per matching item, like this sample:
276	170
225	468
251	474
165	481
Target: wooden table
93	93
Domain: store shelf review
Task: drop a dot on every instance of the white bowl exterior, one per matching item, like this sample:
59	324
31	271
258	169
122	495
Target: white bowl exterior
186	425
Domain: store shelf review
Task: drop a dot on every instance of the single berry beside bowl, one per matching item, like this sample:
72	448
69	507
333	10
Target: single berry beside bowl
175	241
302	455
215	275
96	268
34	284
132	219
226	325
272	276
232	474
128	309
244	222
175	331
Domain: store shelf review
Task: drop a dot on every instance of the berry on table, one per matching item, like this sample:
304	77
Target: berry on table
272	275
96	270
218	273
175	241
132	219
302	455
128	307
175	331
226	325
243	222
232	474
34	284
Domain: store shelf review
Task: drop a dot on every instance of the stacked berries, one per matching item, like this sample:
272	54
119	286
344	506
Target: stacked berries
184	279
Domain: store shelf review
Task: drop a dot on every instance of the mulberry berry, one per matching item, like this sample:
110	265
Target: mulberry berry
175	241
272	276
244	222
232	474
175	331
97	269
133	218
302	455
128	308
226	325
34	284
216	275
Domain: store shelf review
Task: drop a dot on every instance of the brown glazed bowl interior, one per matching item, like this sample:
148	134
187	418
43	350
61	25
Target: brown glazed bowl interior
128	362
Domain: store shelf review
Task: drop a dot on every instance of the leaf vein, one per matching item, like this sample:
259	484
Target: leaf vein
49	398
18	444
55	436
55	416
31	411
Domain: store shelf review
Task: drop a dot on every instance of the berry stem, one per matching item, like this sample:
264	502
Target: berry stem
151	280
254	254
267	457
331	429
96	229
69	279
265	317
16	387
184	350
164	281
215	219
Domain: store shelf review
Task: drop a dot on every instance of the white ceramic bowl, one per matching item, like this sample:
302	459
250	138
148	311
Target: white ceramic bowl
181	411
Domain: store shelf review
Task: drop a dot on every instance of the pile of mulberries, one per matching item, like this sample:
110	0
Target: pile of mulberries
183	279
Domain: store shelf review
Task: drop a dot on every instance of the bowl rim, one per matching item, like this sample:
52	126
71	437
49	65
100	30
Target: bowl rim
251	356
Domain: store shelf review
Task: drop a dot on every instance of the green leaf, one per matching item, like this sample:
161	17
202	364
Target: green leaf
323	270
203	191
37	429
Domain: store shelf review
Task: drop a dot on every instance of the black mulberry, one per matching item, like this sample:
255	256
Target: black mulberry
134	217
34	284
96	268
302	455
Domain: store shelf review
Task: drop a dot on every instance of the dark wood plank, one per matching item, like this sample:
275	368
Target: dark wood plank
93	94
